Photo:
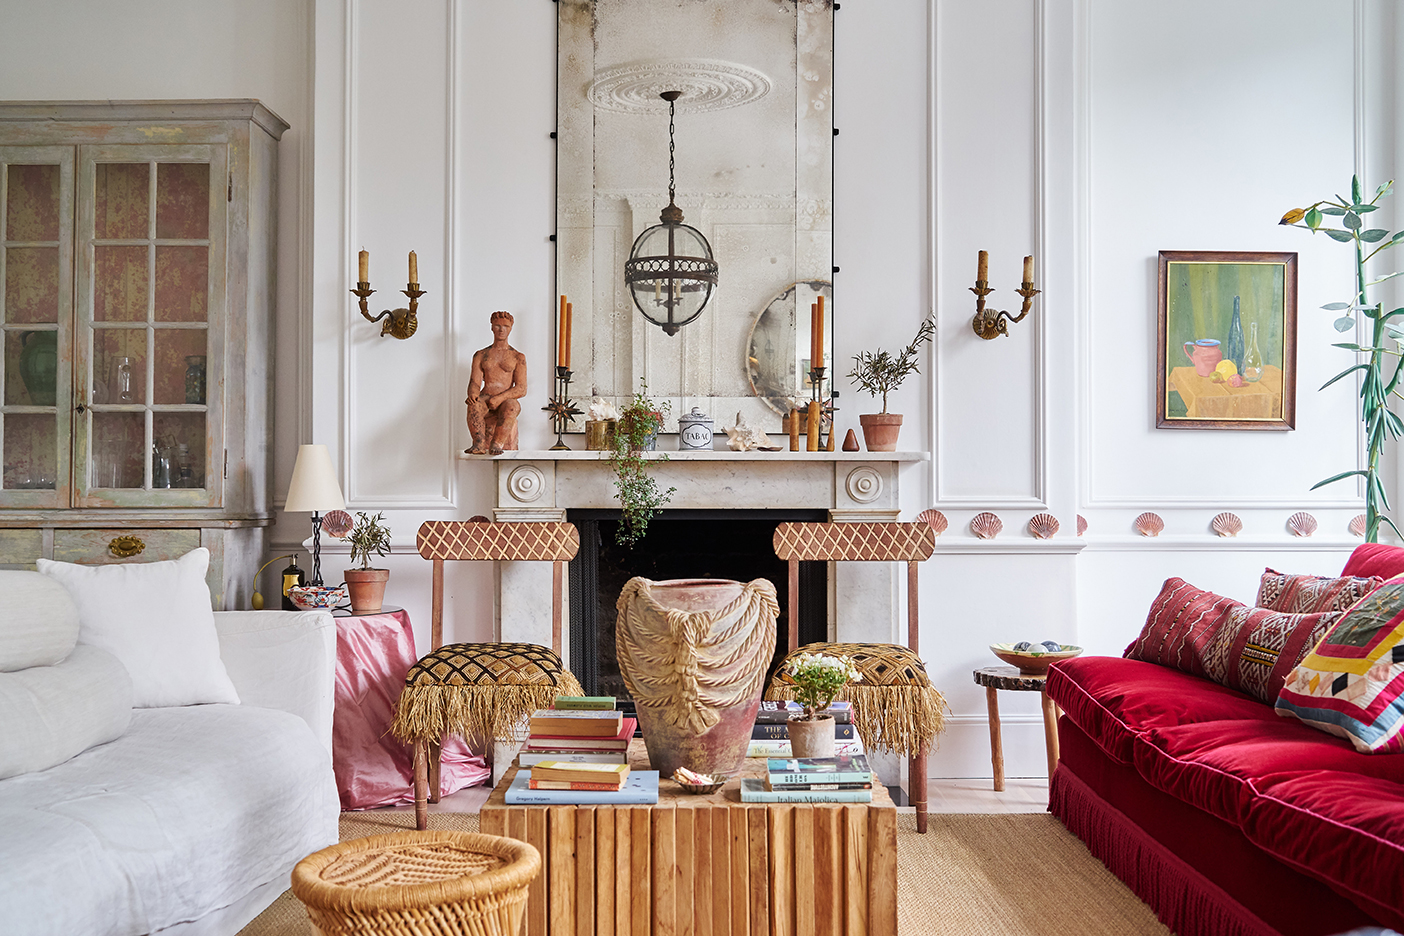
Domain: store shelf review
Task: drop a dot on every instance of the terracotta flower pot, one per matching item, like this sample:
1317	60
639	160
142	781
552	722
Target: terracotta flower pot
880	431
367	587
693	653
811	738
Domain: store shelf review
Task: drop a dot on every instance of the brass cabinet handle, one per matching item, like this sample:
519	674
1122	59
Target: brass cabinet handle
124	547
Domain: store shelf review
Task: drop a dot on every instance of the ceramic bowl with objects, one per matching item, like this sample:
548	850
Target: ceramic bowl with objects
317	597
1033	659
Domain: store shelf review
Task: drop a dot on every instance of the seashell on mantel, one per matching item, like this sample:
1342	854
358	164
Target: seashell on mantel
986	525
1301	523
1149	524
934	519
1043	526
1226	524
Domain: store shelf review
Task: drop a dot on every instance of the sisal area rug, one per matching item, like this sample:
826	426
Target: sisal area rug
1005	875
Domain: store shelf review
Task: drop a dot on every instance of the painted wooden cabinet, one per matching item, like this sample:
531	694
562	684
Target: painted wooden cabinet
137	256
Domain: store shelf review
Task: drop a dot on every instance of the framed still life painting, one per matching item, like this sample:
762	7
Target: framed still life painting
1226	351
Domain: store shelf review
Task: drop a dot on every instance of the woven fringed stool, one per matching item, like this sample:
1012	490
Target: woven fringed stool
481	691
440	883
894	705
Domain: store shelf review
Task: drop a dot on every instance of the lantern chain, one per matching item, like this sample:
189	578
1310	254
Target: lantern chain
671	188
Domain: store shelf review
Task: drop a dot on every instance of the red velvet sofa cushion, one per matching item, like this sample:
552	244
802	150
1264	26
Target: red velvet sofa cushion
1375	559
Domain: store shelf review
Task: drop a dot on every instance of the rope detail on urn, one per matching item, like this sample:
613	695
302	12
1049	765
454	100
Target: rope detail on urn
687	665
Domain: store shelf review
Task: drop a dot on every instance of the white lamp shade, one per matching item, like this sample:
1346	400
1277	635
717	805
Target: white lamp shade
314	486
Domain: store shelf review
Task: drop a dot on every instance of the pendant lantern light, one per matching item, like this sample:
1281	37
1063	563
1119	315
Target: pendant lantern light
670	270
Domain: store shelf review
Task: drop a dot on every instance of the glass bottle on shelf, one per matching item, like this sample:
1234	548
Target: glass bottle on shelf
122	390
160	467
1253	360
195	379
185	475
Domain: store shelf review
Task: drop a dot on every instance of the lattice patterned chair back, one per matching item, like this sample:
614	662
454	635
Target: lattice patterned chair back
895	705
481	690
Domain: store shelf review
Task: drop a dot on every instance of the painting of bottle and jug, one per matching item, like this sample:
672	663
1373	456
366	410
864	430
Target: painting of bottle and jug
1227	340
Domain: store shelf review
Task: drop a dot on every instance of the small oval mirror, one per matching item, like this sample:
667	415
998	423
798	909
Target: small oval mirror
778	351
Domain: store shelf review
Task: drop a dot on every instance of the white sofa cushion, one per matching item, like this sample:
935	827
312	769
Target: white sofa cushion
155	617
284	660
52	713
186	813
38	621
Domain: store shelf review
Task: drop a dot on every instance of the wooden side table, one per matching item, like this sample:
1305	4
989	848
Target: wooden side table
707	865
994	678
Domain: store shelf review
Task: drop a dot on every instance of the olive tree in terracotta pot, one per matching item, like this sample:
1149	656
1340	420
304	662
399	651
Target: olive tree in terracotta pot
878	373
367	585
818	680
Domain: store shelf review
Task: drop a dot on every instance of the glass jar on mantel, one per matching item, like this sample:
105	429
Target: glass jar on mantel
136	309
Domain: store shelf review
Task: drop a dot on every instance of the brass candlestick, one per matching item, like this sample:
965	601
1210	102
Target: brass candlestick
399	323
562	408
823	410
992	323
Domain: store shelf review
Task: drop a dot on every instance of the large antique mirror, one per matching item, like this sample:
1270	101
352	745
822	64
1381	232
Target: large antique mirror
754	174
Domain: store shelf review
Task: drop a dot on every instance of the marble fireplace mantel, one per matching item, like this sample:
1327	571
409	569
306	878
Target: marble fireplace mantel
849	486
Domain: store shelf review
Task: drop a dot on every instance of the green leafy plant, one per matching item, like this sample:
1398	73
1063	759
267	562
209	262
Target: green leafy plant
369	535
639	496
819	679
1375	389
879	373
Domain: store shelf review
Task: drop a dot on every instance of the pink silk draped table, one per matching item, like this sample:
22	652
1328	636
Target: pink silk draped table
373	654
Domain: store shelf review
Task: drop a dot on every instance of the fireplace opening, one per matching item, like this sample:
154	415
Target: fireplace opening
725	544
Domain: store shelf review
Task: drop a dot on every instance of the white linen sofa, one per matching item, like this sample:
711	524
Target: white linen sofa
191	819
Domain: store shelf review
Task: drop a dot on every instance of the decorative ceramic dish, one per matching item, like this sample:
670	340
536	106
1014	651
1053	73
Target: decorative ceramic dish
317	597
700	789
698	784
1035	660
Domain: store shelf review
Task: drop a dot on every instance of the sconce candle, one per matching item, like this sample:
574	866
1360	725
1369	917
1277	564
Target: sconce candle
1028	269
982	271
413	269
365	266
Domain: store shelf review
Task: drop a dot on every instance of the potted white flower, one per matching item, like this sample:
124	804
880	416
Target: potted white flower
818	680
367	585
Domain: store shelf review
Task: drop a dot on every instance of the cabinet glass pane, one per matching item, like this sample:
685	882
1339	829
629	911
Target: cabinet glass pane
118	440
123	204
180	437
119	284
31	367
182	283
119	366
183	200
32	203
31	284
31	452
180	366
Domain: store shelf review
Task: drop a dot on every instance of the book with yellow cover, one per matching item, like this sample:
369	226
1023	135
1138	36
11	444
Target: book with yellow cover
566	772
580	723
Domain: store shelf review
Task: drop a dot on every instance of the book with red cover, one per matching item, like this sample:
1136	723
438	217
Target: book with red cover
619	742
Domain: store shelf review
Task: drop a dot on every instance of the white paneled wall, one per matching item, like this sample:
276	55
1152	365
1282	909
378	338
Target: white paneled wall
1090	133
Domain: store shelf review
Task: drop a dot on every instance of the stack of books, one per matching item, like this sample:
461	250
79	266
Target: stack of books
769	737
580	730
842	779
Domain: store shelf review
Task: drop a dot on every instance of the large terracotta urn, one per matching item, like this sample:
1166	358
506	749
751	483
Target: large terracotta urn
693	653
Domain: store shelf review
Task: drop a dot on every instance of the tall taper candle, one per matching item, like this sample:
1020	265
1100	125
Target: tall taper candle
983	271
365	266
567	336
1028	269
820	332
413	268
794	429
560	334
812	426
813	334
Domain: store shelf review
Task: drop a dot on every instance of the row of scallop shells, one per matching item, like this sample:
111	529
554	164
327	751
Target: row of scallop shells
1300	523
986	525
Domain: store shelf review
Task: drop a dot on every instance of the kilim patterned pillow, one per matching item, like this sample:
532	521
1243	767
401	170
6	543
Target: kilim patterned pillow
1352	683
1180	626
1253	649
1310	594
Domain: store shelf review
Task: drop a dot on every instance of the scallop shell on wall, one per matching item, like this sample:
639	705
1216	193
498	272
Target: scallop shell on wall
1149	524
1226	524
337	523
1043	526
1357	525
986	525
1081	524
934	519
1301	523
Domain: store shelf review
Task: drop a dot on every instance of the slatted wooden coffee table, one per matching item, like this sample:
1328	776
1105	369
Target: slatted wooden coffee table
707	865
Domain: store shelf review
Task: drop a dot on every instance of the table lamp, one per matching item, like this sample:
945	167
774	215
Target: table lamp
314	487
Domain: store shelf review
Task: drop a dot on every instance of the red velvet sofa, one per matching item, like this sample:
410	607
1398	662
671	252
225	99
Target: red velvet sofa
1223	816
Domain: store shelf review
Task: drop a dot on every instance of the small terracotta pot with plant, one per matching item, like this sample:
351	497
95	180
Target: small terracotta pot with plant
818	680
878	373
367	585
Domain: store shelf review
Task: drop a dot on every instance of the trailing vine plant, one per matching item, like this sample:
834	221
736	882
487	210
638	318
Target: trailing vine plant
1375	389
878	373
639	496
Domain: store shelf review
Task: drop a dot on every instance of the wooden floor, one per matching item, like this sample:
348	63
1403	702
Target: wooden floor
1021	795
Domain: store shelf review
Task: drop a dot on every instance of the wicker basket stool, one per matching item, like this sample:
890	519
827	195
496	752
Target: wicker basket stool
420	883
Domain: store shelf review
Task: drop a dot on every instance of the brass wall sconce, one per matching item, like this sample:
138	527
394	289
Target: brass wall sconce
399	323
993	323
